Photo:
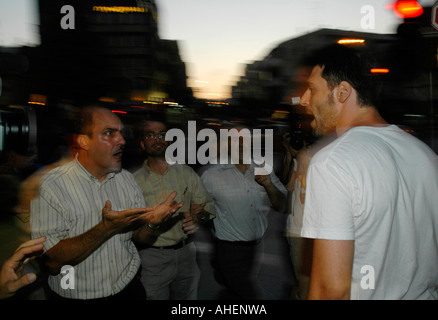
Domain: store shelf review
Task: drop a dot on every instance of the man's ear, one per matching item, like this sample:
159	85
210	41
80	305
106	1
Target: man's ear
83	141
343	91
142	145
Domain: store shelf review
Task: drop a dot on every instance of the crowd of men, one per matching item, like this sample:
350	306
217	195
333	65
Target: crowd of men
363	196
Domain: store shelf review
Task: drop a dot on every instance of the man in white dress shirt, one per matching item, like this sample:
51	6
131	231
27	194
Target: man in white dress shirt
242	201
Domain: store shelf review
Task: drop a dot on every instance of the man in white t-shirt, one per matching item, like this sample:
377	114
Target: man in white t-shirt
371	198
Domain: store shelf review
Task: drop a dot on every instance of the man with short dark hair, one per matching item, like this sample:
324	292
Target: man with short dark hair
371	196
95	241
169	267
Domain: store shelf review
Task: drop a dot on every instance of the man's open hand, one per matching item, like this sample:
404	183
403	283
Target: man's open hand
164	210
11	278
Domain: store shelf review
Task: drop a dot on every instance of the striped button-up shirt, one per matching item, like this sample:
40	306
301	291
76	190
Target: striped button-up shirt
69	203
180	178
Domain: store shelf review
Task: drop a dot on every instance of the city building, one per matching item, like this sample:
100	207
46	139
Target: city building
107	51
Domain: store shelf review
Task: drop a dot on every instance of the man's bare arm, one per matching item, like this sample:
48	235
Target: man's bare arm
331	269
278	200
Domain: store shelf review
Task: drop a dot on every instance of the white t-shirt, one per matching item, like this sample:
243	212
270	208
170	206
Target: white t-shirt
294	221
379	187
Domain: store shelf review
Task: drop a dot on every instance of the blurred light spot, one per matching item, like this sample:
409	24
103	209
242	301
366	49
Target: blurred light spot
379	70
351	41
406	8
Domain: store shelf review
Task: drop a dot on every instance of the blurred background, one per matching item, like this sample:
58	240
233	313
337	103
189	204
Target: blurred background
209	61
213	61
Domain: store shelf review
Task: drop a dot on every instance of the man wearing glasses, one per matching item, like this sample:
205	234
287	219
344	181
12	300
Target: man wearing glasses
89	210
169	267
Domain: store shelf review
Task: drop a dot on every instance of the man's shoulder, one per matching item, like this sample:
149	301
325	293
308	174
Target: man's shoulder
139	172
125	175
214	173
213	169
52	174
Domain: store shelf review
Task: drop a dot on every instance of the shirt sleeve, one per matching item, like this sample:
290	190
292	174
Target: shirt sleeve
328	212
48	218
200	194
280	186
206	182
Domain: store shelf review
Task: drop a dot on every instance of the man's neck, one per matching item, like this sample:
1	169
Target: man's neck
95	172
158	164
361	116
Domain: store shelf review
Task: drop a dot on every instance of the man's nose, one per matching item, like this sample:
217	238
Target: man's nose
304	99
121	139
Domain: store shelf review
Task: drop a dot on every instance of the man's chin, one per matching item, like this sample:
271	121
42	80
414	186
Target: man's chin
317	133
117	167
157	154
315	130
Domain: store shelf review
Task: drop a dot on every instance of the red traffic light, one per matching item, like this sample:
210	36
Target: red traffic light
407	8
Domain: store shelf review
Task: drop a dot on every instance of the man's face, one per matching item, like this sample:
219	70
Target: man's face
106	142
319	101
153	141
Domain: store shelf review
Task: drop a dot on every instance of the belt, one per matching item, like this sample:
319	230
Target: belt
240	243
177	246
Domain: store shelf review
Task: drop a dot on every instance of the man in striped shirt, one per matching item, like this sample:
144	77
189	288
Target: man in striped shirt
169	266
89	210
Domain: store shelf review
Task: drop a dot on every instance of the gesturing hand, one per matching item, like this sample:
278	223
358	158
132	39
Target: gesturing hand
130	219
123	221
11	278
196	208
164	210
191	220
263	179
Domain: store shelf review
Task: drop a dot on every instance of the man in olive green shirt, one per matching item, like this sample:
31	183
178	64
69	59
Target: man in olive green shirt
169	266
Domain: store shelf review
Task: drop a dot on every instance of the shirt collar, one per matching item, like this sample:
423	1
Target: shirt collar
149	170
84	172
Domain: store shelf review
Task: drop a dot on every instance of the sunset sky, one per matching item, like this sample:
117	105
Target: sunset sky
218	37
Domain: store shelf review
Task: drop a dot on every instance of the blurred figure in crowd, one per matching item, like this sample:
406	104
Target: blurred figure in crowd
242	201
297	161
11	175
371	202
28	189
89	210
15	167
169	266
12	278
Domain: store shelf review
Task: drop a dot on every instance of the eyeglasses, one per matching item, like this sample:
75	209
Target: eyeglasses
150	136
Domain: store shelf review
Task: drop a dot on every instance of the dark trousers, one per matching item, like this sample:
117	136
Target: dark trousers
239	265
133	291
